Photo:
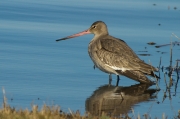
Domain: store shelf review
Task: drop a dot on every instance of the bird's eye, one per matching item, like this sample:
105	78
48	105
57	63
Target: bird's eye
94	26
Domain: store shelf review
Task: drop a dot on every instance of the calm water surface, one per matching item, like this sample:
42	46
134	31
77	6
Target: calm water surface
34	69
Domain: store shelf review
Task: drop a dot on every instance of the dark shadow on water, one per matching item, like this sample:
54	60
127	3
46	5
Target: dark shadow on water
115	101
143	51
144	54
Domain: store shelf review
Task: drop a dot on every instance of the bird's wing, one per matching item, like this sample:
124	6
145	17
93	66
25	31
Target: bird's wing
117	54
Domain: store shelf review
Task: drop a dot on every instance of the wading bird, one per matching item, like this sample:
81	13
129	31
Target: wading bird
113	56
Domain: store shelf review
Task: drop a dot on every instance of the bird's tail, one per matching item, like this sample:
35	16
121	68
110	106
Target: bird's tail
135	75
148	69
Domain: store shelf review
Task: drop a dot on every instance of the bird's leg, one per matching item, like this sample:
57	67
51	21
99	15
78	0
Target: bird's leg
117	83
110	79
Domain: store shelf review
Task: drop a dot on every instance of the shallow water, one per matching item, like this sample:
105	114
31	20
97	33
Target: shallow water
36	69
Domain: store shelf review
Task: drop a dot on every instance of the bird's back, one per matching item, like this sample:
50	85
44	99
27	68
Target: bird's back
117	54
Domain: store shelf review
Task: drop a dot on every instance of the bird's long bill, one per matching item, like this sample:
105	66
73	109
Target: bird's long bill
75	35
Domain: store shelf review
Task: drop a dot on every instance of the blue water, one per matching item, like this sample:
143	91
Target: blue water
34	69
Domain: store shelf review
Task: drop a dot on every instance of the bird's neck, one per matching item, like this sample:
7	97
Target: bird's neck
97	36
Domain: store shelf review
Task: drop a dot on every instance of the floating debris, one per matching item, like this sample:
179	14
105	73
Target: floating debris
173	43
158	46
159	24
154	4
163	52
142	51
175	8
145	54
151	43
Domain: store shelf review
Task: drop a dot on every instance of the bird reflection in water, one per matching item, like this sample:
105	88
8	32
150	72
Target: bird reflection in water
116	101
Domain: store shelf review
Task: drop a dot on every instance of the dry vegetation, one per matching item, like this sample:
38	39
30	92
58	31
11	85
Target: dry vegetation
45	113
54	112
